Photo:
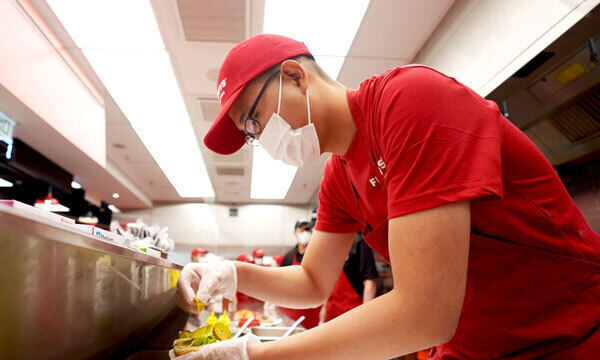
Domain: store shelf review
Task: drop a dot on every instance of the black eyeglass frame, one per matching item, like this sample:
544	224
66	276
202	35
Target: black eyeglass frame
251	121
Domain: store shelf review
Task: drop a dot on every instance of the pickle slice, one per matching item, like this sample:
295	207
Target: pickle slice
203	331
222	331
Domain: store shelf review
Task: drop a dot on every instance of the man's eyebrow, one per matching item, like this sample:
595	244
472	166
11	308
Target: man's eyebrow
243	116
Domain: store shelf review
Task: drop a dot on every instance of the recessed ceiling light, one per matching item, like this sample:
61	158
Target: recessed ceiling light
115	196
114	208
75	185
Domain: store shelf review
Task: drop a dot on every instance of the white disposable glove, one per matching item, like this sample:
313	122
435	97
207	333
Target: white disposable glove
234	349
204	281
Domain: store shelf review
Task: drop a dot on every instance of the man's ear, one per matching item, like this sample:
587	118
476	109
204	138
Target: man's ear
293	70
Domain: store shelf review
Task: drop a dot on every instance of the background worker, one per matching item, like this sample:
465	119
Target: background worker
198	254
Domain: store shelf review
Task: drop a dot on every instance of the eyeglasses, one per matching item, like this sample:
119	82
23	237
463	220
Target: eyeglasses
251	125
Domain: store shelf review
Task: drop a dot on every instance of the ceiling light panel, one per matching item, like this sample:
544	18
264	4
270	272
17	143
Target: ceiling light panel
326	27
109	24
127	53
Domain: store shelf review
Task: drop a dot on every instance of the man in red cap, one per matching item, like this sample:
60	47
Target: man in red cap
198	254
258	256
490	256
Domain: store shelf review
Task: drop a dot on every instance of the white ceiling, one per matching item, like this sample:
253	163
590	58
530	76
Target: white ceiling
391	33
196	65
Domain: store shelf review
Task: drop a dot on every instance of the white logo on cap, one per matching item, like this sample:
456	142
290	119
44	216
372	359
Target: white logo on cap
221	89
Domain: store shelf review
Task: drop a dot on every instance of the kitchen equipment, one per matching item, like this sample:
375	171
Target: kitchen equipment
294	326
67	294
272	333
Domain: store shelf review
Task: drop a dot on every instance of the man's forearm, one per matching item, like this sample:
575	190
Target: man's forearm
288	286
323	314
398	327
370	290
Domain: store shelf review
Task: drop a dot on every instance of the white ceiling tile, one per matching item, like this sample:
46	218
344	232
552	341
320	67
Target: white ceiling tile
237	157
210	110
134	151
390	34
397	28
197	62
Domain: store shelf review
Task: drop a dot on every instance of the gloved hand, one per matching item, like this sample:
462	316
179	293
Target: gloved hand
234	349
204	281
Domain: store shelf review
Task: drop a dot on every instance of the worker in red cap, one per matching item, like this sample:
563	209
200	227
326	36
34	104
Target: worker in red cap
490	256
198	254
245	258
258	255
278	259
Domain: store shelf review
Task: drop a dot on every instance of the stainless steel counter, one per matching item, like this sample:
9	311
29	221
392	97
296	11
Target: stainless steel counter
67	295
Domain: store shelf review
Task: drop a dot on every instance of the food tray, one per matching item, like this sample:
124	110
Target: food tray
272	333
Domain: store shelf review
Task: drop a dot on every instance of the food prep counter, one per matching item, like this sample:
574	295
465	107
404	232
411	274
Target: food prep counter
66	294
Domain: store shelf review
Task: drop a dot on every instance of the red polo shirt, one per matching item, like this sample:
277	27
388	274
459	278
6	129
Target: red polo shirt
425	140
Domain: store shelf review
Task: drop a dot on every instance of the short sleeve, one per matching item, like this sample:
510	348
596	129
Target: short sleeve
337	213
441	142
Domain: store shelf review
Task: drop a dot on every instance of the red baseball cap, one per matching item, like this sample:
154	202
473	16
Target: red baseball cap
258	252
278	259
199	251
244	257
243	63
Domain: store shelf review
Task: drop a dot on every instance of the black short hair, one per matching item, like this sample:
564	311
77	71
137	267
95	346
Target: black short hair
302	59
305	224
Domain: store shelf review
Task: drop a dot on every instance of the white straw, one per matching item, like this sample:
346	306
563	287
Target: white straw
293	327
241	330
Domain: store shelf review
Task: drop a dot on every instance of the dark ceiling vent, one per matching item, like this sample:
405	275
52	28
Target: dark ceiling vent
230	171
233	212
210	20
533	64
580	119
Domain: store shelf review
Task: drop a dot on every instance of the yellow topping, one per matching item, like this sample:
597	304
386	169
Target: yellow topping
212	319
199	305
222	332
224	319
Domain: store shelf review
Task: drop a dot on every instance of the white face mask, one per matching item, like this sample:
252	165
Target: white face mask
297	147
304	237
